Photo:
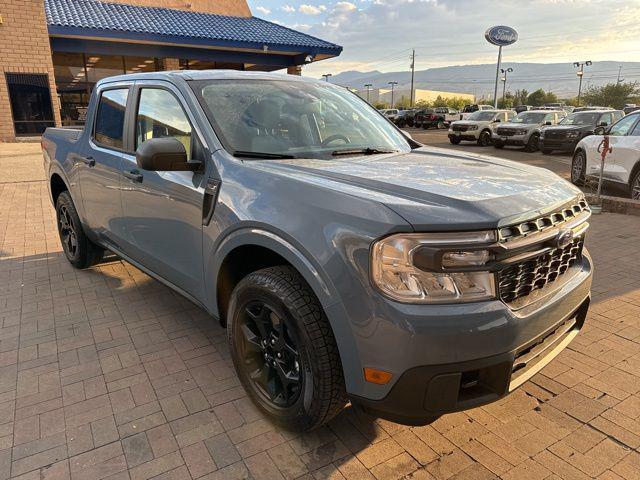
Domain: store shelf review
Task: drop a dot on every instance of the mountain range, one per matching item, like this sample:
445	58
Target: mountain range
560	78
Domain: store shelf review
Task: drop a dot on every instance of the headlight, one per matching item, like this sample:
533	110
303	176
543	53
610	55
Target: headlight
434	268
472	127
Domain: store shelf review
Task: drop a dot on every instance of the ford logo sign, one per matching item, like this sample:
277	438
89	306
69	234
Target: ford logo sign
501	35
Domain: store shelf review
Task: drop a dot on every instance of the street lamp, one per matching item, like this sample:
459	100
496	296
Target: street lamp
580	74
393	84
504	81
368	87
326	76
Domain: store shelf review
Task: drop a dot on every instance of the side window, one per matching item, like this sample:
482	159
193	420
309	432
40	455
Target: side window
109	126
160	115
605	119
550	117
636	130
623	126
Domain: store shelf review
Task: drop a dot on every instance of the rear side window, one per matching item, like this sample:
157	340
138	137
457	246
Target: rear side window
161	115
109	126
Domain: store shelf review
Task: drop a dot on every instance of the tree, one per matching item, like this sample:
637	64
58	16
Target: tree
520	97
507	101
540	97
614	95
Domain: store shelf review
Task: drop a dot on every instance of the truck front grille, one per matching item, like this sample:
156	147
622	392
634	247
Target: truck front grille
459	128
520	279
506	132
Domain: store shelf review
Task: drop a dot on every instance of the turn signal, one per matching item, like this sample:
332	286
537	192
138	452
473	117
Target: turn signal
379	377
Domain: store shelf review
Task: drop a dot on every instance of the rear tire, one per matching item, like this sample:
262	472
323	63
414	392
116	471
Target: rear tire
441	125
578	168
79	250
284	350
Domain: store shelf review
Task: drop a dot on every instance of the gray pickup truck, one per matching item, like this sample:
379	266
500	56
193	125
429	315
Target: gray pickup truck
347	261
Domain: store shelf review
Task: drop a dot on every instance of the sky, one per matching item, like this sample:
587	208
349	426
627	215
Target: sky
379	34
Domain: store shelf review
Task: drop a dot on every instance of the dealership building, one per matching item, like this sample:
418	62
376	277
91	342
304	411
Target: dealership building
52	52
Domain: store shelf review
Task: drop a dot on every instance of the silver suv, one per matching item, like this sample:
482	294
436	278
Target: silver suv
524	129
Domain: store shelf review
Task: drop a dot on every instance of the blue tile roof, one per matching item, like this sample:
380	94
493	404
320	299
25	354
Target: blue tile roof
114	19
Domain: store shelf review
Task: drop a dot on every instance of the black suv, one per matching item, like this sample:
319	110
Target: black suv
574	127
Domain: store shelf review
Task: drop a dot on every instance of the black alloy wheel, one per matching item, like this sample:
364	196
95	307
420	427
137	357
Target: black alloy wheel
68	235
485	138
533	143
635	186
284	350
270	353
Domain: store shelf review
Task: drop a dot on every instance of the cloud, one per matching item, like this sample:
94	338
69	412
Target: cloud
287	9
263	10
311	9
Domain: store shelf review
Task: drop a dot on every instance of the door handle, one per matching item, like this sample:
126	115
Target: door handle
133	175
90	161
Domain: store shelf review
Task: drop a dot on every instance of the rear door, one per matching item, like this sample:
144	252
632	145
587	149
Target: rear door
625	143
163	210
101	161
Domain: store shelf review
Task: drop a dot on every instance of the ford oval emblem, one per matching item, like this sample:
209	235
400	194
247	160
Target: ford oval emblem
501	35
564	238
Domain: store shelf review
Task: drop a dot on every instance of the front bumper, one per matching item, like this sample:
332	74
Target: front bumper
469	135
515	140
564	145
460	361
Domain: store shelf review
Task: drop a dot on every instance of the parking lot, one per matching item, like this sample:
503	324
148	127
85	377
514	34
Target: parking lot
106	373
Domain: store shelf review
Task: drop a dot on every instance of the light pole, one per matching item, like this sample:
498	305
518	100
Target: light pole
580	74
393	84
326	76
504	81
368	87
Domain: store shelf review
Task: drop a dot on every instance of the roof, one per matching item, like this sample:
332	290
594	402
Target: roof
218	74
96	18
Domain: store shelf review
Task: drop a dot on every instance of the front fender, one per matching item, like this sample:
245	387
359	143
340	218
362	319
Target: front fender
313	274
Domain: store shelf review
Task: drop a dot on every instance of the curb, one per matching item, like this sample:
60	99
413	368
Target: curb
625	206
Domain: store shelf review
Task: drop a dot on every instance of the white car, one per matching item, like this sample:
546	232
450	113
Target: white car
468	110
622	163
478	127
390	113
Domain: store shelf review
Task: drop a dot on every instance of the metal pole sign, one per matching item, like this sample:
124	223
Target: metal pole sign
501	36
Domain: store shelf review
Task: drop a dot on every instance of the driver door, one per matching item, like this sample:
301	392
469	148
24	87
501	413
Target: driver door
162	221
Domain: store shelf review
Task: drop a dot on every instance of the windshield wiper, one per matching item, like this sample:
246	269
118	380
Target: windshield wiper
265	155
361	151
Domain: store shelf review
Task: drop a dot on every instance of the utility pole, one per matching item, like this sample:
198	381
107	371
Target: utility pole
413	69
368	87
495	90
326	76
504	81
580	74
392	85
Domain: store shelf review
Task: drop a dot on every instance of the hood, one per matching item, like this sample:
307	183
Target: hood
515	126
569	128
437	189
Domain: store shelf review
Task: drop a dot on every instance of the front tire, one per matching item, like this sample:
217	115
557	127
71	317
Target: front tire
532	144
578	168
635	186
79	250
284	350
454	141
484	140
441	125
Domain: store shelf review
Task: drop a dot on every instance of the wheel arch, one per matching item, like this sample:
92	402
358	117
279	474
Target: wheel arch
634	171
57	185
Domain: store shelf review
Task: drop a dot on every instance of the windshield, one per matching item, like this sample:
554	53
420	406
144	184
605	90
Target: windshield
529	117
294	118
581	118
482	115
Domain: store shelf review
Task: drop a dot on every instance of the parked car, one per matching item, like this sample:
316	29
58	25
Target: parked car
438	117
590	108
622	164
524	129
404	118
469	109
404	282
478	127
523	108
574	127
390	113
631	107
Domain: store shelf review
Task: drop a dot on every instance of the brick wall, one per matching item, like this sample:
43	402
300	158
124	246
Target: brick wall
238	8
24	48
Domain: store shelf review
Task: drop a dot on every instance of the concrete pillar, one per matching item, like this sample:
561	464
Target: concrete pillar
295	70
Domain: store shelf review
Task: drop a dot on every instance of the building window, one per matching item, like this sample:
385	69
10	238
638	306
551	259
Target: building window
110	117
30	99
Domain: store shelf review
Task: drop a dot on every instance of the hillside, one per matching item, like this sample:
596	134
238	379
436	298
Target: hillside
560	78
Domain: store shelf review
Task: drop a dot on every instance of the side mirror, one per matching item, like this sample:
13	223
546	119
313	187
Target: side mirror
163	154
599	130
497	120
548	123
603	124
